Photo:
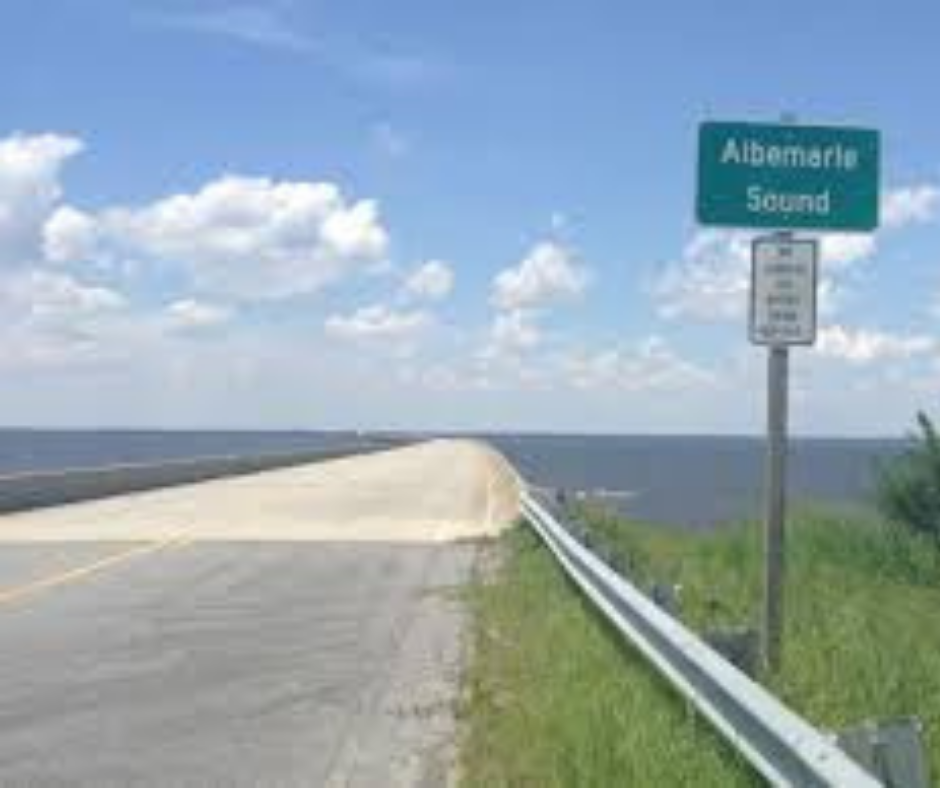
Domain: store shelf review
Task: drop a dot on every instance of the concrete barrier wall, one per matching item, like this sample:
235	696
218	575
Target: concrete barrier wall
33	490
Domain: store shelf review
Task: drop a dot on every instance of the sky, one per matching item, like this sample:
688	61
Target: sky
422	215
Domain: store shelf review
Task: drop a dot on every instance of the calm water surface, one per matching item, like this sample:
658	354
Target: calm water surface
44	450
687	480
694	481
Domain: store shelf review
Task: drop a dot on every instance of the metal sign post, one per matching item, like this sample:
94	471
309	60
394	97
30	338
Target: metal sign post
788	177
771	634
783	313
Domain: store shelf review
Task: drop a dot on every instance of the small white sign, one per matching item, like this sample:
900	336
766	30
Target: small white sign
783	291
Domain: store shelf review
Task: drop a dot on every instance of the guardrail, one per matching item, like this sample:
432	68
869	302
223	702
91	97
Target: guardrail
782	746
38	489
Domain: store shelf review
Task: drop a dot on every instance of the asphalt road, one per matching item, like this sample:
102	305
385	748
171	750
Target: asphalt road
297	627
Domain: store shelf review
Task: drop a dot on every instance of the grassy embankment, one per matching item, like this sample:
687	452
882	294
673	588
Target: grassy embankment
554	698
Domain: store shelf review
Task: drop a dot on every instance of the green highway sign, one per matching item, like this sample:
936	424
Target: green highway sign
788	177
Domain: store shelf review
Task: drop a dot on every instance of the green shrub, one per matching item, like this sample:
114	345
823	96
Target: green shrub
908	490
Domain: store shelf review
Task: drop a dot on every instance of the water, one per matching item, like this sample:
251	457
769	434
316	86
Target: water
44	450
695	481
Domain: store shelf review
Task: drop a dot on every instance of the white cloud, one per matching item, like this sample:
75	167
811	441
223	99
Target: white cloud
234	239
46	317
52	319
711	280
433	281
910	205
237	237
868	346
378	322
516	357
69	235
29	190
512	332
650	365
191	315
839	251
550	273
42	294
82	336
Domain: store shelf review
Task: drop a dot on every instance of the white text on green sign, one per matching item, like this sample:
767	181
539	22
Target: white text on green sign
781	176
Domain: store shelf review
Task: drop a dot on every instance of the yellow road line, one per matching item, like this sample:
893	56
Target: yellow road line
73	575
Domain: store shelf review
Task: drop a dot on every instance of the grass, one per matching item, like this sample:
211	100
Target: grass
554	698
862	608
